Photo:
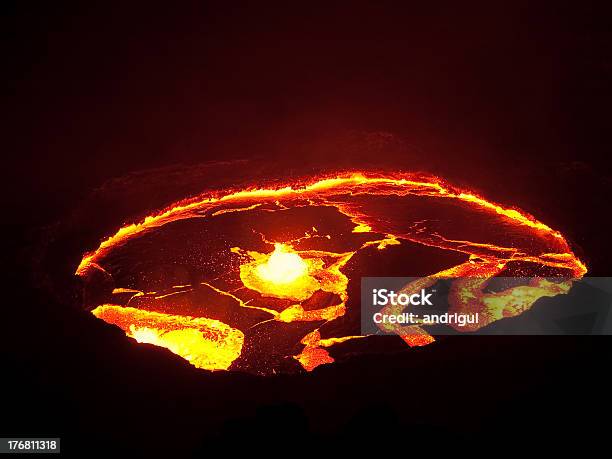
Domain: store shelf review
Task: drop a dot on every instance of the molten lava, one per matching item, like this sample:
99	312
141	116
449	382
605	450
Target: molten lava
282	274
205	343
258	279
282	267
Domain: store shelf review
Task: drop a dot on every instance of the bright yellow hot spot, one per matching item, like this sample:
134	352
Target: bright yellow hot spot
282	273
283	266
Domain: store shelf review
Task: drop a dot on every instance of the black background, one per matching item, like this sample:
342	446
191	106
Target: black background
509	98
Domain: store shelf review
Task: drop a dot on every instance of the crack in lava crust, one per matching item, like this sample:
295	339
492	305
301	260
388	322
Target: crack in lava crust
306	287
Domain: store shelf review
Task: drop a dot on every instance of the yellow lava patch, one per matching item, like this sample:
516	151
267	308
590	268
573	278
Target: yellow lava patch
205	343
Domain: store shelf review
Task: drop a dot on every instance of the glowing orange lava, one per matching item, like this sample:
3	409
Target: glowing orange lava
297	285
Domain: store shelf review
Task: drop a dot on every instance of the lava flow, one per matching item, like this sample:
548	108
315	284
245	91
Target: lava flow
267	280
